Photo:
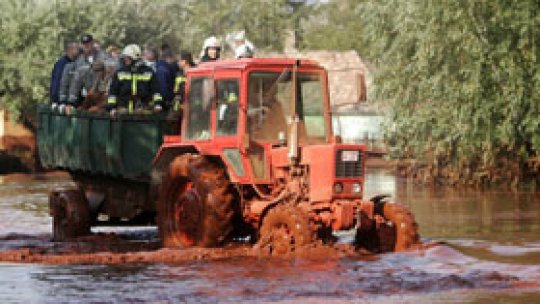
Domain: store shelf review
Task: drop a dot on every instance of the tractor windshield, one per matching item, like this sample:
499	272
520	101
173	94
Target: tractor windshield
270	106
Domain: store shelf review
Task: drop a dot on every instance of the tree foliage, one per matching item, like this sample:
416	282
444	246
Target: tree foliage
33	33
460	78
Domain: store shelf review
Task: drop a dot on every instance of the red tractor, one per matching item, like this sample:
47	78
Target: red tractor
257	157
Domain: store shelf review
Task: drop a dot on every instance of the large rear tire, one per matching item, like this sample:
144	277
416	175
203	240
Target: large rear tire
284	230
71	214
196	204
397	231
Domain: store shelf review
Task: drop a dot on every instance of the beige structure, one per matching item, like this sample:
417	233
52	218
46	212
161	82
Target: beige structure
348	75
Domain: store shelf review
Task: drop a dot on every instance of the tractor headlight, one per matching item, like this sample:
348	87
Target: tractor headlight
356	188
338	187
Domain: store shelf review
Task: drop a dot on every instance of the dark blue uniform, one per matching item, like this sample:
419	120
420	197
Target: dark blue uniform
165	77
56	77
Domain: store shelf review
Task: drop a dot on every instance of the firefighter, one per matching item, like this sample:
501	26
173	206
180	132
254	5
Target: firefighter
243	48
227	109
134	86
211	50
185	62
166	70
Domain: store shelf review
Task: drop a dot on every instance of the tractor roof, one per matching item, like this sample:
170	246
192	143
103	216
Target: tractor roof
255	62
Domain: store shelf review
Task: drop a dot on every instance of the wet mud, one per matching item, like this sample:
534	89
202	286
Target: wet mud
321	272
113	248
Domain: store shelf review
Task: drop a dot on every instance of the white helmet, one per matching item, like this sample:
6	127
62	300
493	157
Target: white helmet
133	51
211	42
240	35
243	51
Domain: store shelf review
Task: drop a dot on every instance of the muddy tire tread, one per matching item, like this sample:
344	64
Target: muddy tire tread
213	224
294	218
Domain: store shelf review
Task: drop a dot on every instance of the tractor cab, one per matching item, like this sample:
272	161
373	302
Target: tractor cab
260	116
257	150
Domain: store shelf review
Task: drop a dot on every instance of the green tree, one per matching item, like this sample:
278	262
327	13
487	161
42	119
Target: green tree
460	79
33	33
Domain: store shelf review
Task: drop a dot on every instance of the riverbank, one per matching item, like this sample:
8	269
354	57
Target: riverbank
507	173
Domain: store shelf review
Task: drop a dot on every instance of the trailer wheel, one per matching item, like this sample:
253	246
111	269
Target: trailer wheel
396	231
195	205
284	230
71	214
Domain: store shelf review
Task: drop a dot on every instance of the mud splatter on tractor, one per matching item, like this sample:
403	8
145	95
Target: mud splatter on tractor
255	157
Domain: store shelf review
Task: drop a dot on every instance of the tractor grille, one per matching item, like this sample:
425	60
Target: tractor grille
348	166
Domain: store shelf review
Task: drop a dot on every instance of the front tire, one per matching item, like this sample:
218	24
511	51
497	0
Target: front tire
196	204
284	230
397	231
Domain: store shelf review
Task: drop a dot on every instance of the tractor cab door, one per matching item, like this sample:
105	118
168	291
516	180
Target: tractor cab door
213	109
197	124
227	121
267	113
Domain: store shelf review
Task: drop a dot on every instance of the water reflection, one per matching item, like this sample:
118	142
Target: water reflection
494	248
448	214
391	277
24	202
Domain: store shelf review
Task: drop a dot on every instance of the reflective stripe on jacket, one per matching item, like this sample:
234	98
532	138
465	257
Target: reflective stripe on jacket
134	84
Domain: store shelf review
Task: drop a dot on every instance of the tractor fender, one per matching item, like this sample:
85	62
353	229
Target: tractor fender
166	154
160	164
265	211
271	204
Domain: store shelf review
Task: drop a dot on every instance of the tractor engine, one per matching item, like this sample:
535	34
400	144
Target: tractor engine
331	198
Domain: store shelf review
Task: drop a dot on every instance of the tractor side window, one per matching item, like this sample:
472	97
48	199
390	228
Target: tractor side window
227	107
201	93
311	105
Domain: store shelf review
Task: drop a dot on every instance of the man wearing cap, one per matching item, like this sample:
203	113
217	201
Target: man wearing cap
89	55
134	86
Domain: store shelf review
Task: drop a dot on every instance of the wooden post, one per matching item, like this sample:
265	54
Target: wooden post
361	87
2	128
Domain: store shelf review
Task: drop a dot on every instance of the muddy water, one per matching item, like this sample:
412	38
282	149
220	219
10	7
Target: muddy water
492	255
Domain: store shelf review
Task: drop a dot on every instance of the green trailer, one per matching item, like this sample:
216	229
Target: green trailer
96	144
110	158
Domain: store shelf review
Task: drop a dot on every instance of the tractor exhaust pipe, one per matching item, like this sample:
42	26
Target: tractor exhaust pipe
293	142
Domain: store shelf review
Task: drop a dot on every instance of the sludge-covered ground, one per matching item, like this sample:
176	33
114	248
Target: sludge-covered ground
491	254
